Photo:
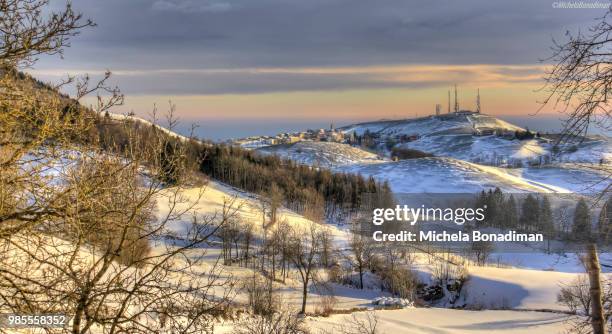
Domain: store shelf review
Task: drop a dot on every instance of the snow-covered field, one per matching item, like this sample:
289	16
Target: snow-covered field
323	154
449	321
507	292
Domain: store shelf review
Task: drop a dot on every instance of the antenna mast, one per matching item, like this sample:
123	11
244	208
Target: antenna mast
456	101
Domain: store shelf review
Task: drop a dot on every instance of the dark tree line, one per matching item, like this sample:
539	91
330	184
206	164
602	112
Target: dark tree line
368	139
304	187
533	213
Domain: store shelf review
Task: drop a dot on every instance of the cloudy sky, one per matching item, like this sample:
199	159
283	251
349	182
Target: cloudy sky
332	59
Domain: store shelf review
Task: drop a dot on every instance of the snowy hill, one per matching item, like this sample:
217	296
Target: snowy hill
482	139
433	125
324	154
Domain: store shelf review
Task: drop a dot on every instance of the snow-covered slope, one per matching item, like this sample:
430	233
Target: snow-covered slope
595	149
324	154
493	150
446	175
120	117
210	201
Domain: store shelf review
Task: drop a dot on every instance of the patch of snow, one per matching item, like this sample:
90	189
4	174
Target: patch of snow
392	301
120	117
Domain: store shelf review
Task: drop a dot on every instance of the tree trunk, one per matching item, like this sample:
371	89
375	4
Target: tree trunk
273	262
361	277
304	296
597	318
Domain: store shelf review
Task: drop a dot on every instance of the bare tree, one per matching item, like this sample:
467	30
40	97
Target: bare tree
98	248
327	248
579	84
247	237
28	33
481	250
275	195
78	225
304	252
576	295
283	233
362	250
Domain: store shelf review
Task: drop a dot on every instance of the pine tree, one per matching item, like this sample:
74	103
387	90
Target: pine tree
495	207
545	217
604	223
529	213
546	224
481	202
510	213
582	221
170	162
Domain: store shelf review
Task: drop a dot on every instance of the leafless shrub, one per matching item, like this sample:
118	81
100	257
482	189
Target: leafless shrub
576	296
355	325
481	250
326	305
444	271
327	300
400	281
275	323
263	300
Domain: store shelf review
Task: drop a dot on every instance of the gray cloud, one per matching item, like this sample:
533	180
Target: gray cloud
192	34
191	6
